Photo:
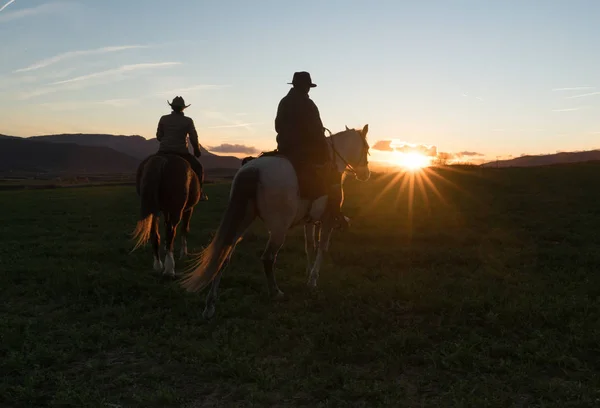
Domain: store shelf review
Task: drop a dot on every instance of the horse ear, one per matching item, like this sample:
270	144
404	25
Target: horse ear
346	127
365	130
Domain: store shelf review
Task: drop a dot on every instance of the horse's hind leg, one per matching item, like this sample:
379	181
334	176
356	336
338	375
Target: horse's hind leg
171	230
269	256
155	239
185	223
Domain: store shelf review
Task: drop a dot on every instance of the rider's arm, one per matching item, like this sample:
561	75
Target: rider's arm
194	139
281	117
159	130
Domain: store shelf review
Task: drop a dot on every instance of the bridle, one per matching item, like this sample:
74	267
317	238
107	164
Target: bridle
364	160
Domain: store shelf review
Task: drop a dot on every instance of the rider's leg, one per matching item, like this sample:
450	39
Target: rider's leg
335	198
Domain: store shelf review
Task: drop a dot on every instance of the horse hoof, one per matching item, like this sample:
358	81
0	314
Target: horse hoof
209	312
158	266
312	283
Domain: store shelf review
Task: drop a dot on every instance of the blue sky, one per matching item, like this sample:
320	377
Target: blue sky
497	78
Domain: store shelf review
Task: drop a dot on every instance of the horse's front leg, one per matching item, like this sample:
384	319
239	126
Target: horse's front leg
309	245
323	247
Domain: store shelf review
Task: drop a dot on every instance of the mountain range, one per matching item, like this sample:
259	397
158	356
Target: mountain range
547	159
88	153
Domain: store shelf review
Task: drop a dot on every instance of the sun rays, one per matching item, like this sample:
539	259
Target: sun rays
414	187
411	161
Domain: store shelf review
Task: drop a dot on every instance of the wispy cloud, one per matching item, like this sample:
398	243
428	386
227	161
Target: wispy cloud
237	125
28	12
7	4
466	95
72	54
80	82
117	71
190	89
119	103
574	88
583	95
570	109
230	122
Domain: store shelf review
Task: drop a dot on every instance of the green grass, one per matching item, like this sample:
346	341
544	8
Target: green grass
482	295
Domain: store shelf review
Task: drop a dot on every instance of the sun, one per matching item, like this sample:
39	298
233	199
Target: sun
412	161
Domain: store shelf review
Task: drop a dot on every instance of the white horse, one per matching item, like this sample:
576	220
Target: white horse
267	187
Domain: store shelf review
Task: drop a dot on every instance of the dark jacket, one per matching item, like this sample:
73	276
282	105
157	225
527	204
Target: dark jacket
172	133
299	128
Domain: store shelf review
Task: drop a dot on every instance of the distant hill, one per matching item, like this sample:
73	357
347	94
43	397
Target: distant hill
134	146
547	159
138	147
24	155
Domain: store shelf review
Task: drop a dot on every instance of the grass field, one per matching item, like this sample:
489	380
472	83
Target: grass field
484	294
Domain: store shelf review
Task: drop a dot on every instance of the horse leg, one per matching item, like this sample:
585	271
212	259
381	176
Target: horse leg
155	239
185	220
269	256
325	236
309	245
171	230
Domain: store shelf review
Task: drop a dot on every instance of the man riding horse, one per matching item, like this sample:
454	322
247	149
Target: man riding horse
301	137
172	133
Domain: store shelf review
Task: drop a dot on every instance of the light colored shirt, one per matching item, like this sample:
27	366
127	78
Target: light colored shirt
172	133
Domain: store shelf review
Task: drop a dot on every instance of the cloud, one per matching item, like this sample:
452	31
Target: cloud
230	123
72	54
574	88
80	81
74	105
7	4
403	147
583	95
237	125
469	156
117	71
468	153
466	95
41	9
383	145
190	89
234	148
570	109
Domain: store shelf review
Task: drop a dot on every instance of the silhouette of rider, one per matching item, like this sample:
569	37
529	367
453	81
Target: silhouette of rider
301	137
172	133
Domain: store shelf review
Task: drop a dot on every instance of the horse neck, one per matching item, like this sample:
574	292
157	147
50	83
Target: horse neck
342	143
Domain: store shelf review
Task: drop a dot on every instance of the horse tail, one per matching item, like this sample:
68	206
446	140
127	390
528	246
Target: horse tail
148	188
212	258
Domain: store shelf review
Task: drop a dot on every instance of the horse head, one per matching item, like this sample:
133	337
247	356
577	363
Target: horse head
352	149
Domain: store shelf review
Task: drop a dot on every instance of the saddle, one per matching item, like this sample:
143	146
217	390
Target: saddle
311	180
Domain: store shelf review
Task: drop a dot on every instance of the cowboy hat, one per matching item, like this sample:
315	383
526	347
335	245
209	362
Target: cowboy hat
178	102
302	79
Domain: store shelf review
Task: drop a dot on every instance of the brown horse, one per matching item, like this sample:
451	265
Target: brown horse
165	183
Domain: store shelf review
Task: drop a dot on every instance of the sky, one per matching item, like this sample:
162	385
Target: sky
488	78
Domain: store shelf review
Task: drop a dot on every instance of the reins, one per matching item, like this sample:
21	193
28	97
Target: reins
348	165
